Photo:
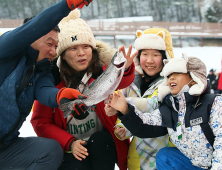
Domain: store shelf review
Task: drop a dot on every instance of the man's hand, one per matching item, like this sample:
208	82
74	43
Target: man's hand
66	94
79	151
73	4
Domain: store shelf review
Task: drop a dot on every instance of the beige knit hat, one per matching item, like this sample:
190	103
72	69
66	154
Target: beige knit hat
184	64
74	31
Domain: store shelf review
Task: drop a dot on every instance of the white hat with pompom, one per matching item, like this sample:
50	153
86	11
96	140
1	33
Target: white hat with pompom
74	31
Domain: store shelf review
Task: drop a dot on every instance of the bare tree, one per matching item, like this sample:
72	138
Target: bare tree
131	8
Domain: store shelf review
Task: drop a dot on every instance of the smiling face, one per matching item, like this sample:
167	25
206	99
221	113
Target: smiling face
151	61
78	57
176	81
46	45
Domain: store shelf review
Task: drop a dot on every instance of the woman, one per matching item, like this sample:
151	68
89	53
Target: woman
153	46
88	136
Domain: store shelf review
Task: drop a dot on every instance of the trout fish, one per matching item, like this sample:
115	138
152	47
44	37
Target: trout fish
101	87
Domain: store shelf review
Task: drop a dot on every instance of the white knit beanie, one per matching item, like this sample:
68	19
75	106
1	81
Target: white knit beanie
74	31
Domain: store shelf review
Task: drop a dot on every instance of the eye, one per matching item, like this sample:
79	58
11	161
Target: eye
169	75
157	54
72	48
86	46
49	44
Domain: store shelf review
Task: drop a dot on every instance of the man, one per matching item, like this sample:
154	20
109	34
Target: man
25	56
212	77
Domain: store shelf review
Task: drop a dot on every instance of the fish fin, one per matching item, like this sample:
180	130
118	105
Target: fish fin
65	108
66	113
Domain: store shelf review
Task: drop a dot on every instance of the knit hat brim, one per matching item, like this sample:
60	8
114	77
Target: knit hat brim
77	39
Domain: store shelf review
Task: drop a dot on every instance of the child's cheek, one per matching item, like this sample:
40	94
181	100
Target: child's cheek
142	61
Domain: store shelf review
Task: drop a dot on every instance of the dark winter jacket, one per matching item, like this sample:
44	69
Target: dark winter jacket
16	57
198	117
212	78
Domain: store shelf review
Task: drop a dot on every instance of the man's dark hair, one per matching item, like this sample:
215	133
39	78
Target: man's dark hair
29	18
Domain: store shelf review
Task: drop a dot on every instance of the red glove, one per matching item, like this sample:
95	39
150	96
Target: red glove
73	4
78	109
66	94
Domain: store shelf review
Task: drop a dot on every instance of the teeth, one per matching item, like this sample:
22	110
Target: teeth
172	84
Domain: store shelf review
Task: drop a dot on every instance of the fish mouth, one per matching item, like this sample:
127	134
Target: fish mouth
119	60
119	65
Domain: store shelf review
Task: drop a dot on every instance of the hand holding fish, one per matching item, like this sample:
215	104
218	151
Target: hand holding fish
78	110
128	56
78	150
66	94
118	102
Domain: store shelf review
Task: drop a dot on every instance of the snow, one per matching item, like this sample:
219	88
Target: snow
3	30
211	56
127	19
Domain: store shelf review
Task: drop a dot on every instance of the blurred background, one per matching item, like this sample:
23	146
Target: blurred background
191	22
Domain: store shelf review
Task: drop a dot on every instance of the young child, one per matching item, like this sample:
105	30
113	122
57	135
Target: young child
153	46
193	118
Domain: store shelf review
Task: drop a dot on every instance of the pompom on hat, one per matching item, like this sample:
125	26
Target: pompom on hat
184	64
74	31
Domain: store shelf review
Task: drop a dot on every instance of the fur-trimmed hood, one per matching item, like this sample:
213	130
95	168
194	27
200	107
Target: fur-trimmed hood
105	52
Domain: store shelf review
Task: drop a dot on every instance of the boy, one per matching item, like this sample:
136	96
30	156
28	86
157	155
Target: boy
192	118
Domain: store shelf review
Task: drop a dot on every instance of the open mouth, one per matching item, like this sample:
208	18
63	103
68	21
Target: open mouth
172	85
119	65
82	61
118	60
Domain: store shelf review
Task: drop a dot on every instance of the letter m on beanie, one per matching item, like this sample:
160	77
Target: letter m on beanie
74	38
